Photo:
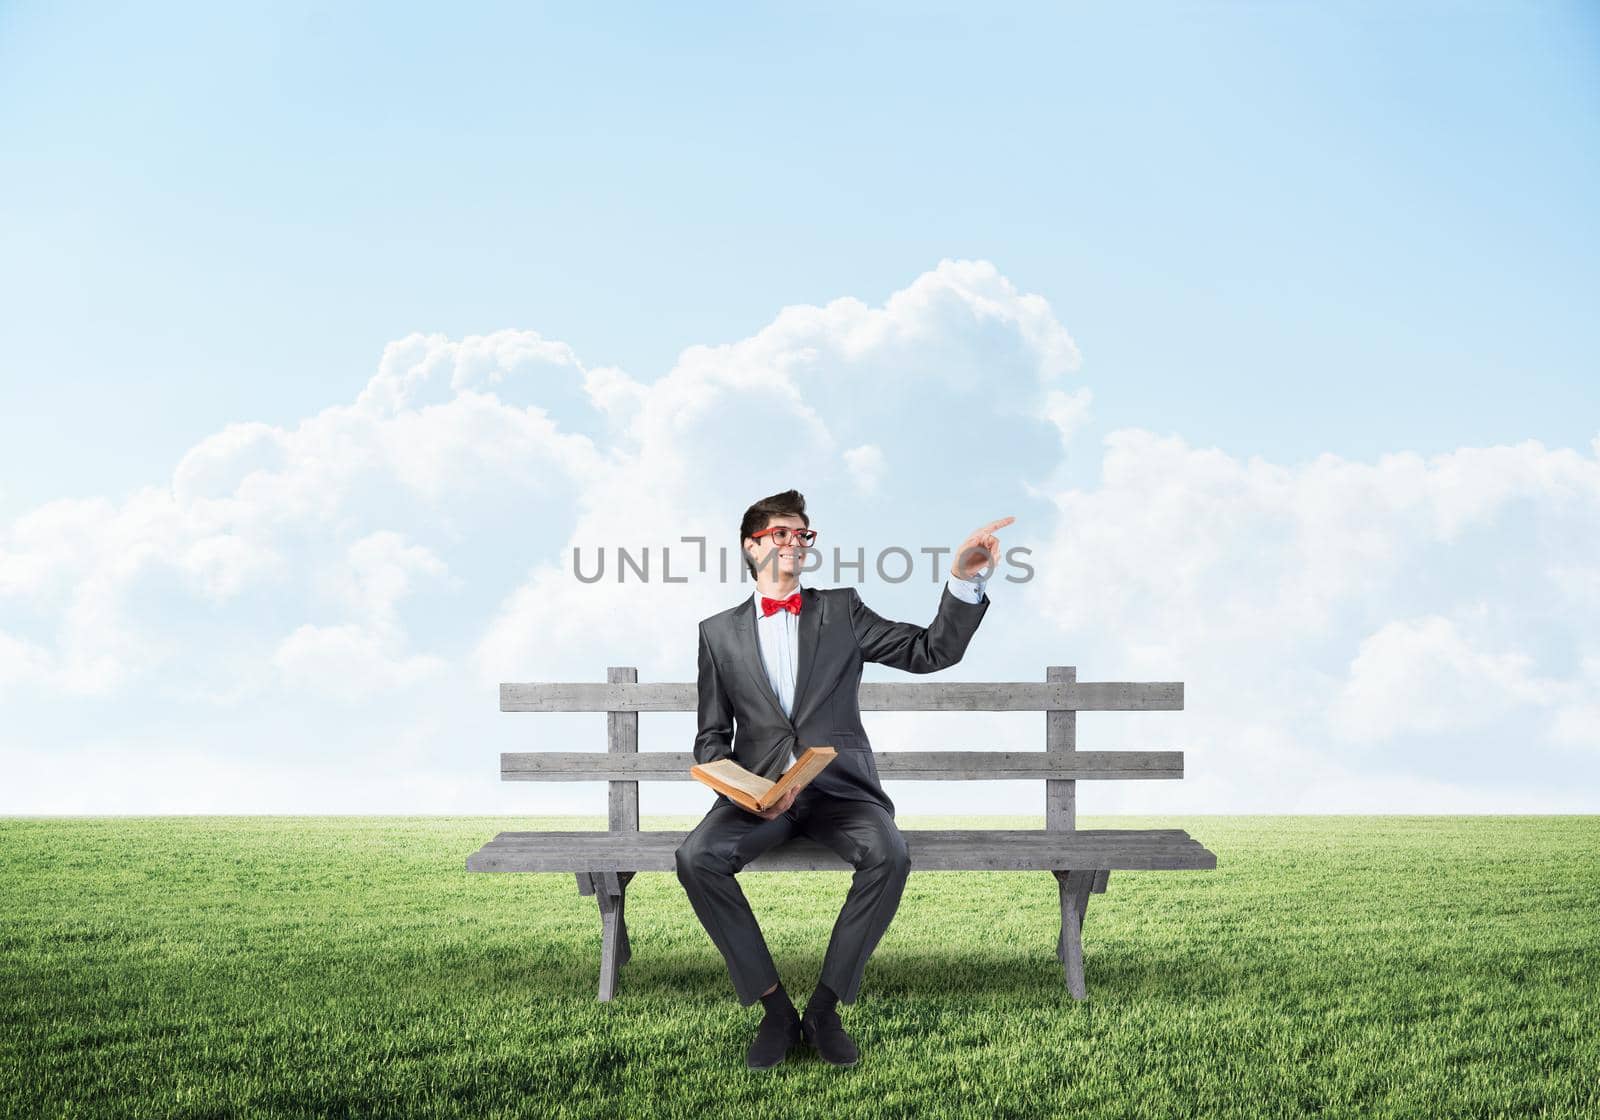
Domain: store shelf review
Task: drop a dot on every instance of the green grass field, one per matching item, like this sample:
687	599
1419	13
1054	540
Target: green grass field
316	966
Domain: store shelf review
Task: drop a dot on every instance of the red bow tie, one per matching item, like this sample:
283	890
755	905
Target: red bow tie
770	607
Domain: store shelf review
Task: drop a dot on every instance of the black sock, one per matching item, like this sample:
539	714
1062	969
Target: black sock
777	1002
823	999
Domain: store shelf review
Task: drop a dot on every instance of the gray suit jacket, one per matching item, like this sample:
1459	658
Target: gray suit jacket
740	716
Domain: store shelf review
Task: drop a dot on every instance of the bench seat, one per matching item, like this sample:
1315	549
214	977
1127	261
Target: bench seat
931	850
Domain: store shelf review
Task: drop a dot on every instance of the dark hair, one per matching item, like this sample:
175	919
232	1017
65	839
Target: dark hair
757	517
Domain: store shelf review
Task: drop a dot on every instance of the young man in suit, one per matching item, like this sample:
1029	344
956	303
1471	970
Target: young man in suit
779	672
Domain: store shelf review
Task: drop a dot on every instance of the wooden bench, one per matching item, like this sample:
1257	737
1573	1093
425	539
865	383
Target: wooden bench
1080	860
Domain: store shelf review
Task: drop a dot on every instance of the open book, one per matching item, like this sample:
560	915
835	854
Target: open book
753	791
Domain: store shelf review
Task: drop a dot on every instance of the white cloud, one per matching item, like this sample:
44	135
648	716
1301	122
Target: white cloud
349	662
866	464
1425	675
1382	627
422	370
215	466
1575	718
1069	412
381	569
292	515
22	663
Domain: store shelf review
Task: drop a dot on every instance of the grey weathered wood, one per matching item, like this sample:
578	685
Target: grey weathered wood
622	741
609	888
941	696
673	766
625	950
649	841
930	850
1061	738
1061	935
1074	887
646	841
1097	882
1101	877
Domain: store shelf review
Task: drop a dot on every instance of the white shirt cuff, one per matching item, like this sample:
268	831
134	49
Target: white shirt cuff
967	590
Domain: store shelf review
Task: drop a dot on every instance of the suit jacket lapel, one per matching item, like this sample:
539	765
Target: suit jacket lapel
810	626
748	650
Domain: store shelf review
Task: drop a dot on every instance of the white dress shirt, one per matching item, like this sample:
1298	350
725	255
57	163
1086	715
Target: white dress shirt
779	635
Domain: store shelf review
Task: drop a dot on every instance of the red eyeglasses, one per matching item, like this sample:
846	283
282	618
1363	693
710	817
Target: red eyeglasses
781	535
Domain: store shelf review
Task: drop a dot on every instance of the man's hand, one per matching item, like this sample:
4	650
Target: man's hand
980	550
777	808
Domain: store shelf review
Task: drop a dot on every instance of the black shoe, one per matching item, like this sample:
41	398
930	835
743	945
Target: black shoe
823	1030
778	1032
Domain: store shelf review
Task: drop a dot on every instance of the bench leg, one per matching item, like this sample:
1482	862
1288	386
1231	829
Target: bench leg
1075	887
1061	938
624	950
1098	887
610	891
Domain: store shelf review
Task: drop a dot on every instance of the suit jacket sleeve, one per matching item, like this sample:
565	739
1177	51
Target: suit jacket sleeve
714	739
917	649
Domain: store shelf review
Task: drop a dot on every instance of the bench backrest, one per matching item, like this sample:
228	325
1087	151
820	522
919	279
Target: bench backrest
1060	765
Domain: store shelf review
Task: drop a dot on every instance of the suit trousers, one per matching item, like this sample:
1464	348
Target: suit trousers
862	832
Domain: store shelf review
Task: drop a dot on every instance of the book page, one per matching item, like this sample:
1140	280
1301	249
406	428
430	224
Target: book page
800	774
729	771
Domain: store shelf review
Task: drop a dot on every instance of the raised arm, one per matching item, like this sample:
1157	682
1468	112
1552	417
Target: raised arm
962	605
917	649
714	739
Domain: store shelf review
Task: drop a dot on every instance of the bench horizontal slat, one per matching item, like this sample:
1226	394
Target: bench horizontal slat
930	849
673	766
975	696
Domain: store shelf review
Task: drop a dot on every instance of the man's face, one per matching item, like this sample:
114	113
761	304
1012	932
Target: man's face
777	560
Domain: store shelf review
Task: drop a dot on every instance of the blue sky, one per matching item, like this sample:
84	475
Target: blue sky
1344	256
